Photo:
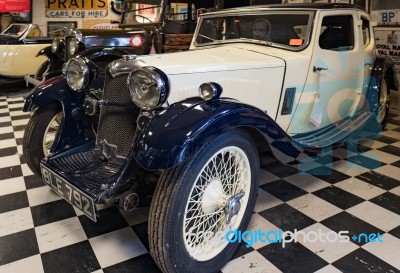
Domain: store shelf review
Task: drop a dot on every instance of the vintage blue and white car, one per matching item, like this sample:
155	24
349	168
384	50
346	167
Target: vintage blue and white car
192	124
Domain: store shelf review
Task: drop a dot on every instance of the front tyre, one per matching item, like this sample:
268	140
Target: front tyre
40	134
196	203
384	103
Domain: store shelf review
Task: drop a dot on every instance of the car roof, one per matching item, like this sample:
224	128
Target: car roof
314	6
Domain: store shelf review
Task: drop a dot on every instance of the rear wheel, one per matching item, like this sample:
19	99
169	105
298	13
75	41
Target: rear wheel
195	204
40	134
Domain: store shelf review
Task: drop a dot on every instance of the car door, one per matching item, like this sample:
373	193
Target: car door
336	74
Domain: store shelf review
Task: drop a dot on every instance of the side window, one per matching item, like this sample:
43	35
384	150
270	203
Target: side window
337	33
365	31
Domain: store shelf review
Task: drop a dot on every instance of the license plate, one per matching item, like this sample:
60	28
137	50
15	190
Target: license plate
69	192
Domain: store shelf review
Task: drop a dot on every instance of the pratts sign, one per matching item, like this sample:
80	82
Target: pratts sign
76	8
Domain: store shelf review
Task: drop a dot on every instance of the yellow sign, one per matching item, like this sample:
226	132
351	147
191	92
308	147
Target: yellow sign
76	8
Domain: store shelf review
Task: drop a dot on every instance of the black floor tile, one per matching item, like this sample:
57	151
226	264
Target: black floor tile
13	201
110	220
51	212
19	117
327	174
18	141
385	139
379	180
394	121
365	162
141	264
393	150
18	246
33	181
22	159
287	218
10	172
344	221
3	106
7	136
5	124
293	258
16	109
8	151
338	197
19	128
360	261
395	232
4	115
74	258
389	201
242	250
283	190
396	164
280	169
141	232
357	148
15	102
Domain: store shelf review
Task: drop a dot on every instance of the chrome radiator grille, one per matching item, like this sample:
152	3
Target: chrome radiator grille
117	123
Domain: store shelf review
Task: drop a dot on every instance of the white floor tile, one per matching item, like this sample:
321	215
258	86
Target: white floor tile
59	234
12	185
306	166
267	177
372	143
381	156
15	221
390	171
314	207
41	195
5	119
348	168
388	250
7	142
328	269
16	105
117	246
19	122
396	190
31	264
360	188
396	144
392	134
8	161
331	250
265	201
18	113
376	215
19	134
307	182
252	262
258	222
26	171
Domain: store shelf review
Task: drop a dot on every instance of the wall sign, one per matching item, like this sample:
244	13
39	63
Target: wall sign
388	44
15	5
76	8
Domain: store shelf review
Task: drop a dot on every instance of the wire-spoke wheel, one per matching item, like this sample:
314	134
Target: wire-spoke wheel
40	134
196	203
384	103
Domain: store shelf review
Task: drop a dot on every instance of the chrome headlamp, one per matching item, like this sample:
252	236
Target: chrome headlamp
73	46
79	73
55	45
148	87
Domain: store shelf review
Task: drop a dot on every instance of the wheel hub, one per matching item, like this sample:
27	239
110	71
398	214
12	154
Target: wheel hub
214	197
233	206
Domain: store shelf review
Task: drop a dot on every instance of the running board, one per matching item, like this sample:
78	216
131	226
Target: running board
337	132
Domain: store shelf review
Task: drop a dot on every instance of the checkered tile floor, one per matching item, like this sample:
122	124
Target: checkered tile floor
359	192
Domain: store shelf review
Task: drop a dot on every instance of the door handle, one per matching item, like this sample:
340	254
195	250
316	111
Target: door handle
315	69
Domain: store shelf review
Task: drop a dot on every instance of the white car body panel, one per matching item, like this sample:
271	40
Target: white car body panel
19	60
236	67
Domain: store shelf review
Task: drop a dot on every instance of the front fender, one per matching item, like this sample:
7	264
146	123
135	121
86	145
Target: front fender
178	132
56	90
45	52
